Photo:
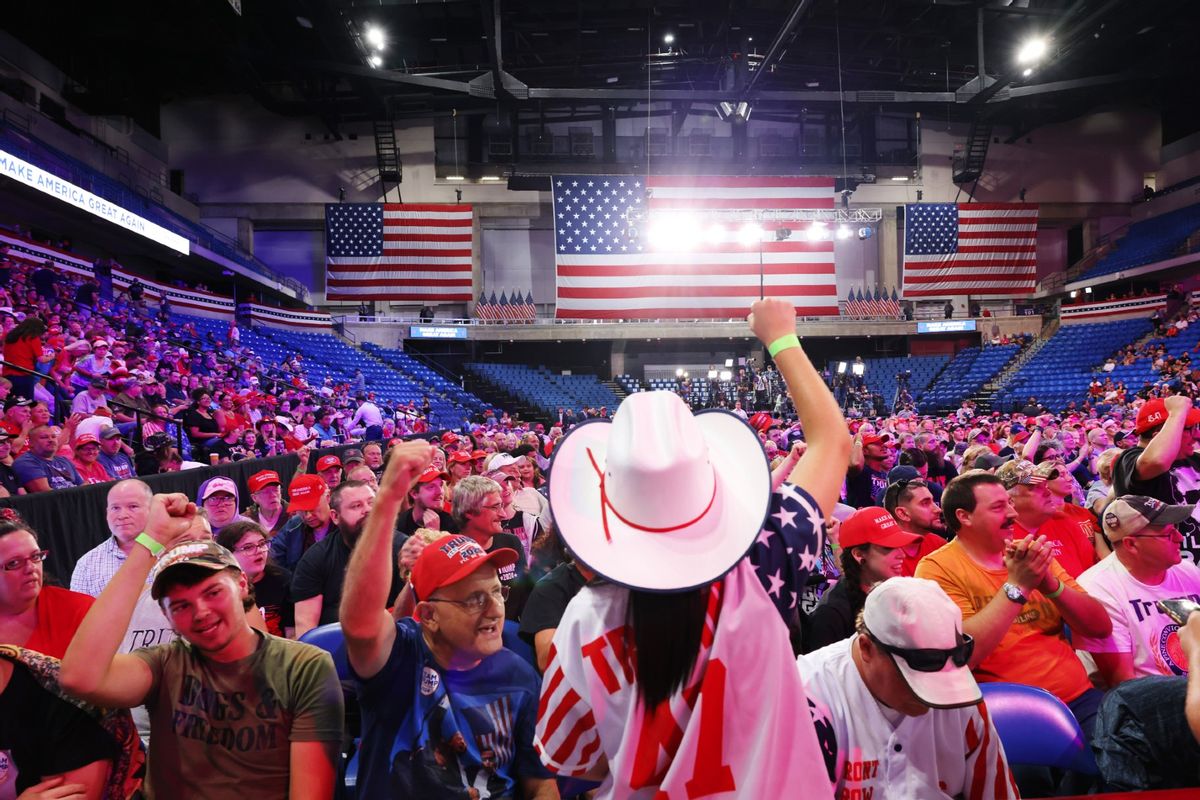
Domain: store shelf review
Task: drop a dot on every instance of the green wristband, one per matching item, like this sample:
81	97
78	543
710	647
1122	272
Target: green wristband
148	542
1061	585
783	343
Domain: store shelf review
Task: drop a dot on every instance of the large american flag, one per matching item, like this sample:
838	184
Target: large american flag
604	272
970	248
398	251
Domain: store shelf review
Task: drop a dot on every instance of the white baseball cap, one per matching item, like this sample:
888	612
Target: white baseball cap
914	614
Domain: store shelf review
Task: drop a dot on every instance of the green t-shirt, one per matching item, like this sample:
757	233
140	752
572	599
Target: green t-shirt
223	731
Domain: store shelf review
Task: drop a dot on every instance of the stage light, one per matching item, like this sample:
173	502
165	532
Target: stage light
375	37
1087	290
668	38
712	374
817	232
679	372
726	374
724	111
865	232
858	368
729	362
1027	72
673	232
715	234
1032	51
841	368
375	60
741	112
750	233
1074	294
844	232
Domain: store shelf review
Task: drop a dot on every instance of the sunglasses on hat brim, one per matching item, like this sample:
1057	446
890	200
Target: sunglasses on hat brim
926	659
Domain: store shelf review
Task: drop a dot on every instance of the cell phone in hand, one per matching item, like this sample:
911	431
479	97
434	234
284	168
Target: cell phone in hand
1178	610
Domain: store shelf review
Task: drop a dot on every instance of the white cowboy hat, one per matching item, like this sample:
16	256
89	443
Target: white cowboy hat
660	499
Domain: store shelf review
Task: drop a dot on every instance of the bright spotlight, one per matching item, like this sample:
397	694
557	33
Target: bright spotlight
712	374
673	232
858	368
715	234
1032	51
1087	290
375	38
375	60
668	38
1026	72
679	372
729	362
841	368
726	374
750	233
844	232
817	232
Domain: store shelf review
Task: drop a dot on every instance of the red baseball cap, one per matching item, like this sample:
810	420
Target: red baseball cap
874	525
306	492
452	558
460	456
85	438
263	479
871	438
1154	413
432	474
478	454
325	462
448	438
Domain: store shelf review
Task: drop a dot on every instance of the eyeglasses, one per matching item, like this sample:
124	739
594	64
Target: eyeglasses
477	602
219	500
262	547
19	563
1172	534
495	507
928	659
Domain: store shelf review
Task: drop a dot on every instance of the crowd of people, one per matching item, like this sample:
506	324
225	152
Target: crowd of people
544	612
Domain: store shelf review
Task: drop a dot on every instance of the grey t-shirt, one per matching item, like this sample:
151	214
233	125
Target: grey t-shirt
223	731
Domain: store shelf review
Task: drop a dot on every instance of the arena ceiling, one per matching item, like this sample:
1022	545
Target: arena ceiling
312	57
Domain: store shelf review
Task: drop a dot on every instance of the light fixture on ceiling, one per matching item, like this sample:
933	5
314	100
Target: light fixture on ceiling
375	60
735	112
1032	51
491	178
668	38
375	37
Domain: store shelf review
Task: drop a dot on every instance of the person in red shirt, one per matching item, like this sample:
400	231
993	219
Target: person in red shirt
1038	515
911	504
86	458
1062	488
22	351
34	616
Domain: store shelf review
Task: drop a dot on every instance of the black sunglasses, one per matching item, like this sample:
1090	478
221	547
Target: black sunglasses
931	659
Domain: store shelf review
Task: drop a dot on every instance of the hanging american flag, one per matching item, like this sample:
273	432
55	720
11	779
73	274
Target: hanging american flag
481	306
605	272
394	251
970	249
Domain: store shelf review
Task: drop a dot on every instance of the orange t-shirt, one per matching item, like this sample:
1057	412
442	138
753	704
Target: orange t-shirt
59	613
929	544
1072	533
1033	650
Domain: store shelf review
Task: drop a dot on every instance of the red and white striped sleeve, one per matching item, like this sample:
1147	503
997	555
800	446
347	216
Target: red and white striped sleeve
566	739
988	775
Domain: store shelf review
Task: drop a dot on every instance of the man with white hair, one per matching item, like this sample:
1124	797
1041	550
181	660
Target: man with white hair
896	708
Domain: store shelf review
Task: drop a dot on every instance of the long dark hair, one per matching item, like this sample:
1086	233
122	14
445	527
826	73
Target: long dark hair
28	328
665	630
852	574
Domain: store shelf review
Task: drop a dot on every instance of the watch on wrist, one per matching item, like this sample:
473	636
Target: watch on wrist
150	543
1014	593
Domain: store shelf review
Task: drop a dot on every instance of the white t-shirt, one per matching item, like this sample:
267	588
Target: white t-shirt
1138	626
874	751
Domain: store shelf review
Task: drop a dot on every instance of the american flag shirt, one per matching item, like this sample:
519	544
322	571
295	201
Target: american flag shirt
430	733
738	728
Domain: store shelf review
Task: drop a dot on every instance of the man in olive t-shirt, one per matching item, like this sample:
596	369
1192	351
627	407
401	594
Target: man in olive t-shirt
234	712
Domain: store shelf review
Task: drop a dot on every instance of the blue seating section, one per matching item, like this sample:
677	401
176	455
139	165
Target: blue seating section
1150	240
325	355
1062	370
965	375
630	384
545	390
425	376
881	373
1135	375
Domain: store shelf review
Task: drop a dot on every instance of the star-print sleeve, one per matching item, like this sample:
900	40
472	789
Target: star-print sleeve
788	547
